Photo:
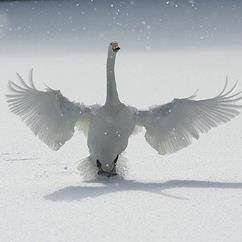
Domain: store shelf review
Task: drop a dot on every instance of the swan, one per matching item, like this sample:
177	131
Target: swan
169	127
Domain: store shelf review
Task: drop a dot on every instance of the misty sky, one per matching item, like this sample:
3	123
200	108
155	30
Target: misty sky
89	25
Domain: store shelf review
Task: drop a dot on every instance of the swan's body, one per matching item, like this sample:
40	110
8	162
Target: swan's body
169	128
109	132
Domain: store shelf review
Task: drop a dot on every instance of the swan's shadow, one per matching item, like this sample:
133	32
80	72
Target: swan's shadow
75	193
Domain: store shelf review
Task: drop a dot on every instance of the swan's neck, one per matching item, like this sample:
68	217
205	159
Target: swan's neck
112	93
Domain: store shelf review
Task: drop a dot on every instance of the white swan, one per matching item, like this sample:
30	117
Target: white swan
169	127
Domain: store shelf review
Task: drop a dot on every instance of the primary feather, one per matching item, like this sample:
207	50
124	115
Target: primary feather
171	127
50	115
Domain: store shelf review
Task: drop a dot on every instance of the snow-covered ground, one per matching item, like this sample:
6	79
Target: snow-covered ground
193	195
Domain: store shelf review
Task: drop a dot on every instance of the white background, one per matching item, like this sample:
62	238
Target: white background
193	195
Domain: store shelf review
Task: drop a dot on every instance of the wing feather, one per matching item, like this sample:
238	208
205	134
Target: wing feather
173	126
50	115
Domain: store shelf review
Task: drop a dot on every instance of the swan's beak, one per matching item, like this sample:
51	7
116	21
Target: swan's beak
115	46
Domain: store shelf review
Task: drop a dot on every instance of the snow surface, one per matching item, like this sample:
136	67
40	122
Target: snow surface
193	195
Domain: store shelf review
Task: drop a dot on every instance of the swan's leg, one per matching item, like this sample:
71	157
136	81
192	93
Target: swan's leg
114	167
113	172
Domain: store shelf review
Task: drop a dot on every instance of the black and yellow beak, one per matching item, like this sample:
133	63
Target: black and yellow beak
115	46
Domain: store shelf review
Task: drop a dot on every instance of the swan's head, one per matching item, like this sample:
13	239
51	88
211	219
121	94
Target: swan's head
114	46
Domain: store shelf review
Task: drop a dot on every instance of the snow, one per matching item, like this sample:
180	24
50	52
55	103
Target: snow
193	195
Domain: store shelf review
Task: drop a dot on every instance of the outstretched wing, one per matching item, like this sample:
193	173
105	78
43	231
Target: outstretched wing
172	126
50	115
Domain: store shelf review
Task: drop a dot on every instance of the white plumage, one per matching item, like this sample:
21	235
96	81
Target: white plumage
169	127
172	126
50	115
